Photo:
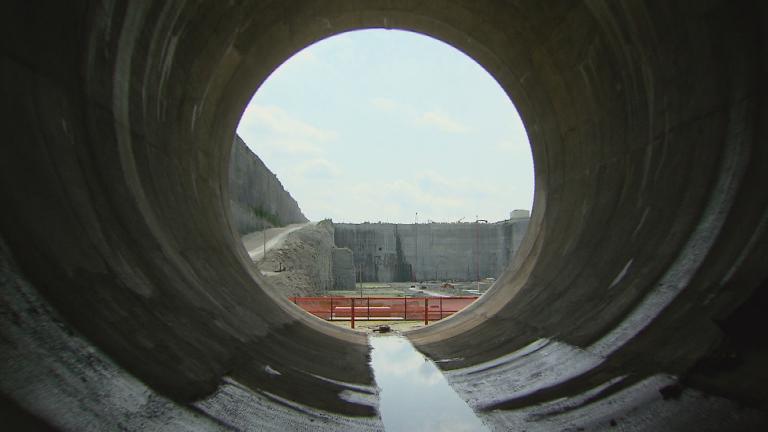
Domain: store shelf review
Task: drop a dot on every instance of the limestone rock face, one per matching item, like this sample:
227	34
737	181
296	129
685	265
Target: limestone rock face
441	251
257	198
343	263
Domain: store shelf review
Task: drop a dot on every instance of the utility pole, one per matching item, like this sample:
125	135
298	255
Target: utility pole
361	281
416	247
477	251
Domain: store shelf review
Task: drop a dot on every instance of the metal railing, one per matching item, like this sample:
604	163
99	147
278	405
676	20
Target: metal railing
382	308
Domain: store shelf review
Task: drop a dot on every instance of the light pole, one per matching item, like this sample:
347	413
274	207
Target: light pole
416	247
477	249
361	281
477	252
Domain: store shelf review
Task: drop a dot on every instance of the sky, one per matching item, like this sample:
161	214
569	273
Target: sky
379	125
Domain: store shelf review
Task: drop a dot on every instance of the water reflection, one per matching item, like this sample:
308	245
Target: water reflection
414	394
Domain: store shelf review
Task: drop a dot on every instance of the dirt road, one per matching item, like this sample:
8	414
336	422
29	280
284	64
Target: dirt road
256	242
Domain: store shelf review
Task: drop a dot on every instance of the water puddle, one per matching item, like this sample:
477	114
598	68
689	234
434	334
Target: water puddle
414	394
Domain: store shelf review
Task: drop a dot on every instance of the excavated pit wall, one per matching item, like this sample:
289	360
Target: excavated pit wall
387	252
257	198
343	268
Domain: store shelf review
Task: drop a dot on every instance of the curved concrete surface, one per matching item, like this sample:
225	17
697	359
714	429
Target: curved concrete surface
637	300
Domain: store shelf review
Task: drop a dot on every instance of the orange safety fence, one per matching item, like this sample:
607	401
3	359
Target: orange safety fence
382	308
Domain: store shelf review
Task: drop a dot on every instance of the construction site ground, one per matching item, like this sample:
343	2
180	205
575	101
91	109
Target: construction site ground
413	289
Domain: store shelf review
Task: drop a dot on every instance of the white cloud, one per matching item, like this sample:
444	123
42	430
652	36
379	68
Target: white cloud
408	194
384	104
274	134
463	187
442	122
446	199
432	180
517	148
285	147
424	118
282	123
318	169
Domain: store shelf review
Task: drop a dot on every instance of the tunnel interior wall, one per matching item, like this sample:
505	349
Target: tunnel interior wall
648	128
118	126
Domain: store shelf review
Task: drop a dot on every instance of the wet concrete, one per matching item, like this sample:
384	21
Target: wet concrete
647	120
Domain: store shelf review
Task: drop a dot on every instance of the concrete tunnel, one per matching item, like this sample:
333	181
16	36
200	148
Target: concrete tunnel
637	301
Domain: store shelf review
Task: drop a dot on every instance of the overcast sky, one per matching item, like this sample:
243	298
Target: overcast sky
377	125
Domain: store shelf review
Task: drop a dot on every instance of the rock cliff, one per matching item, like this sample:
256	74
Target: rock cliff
257	198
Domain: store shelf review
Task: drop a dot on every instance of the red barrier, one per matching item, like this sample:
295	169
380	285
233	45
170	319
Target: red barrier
382	308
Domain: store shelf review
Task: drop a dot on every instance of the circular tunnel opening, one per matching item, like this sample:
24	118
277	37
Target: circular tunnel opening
410	154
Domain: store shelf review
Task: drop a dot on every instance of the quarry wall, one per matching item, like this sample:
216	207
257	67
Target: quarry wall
257	198
343	264
388	252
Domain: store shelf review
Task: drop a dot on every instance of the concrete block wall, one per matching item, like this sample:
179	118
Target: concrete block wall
257	198
433	251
